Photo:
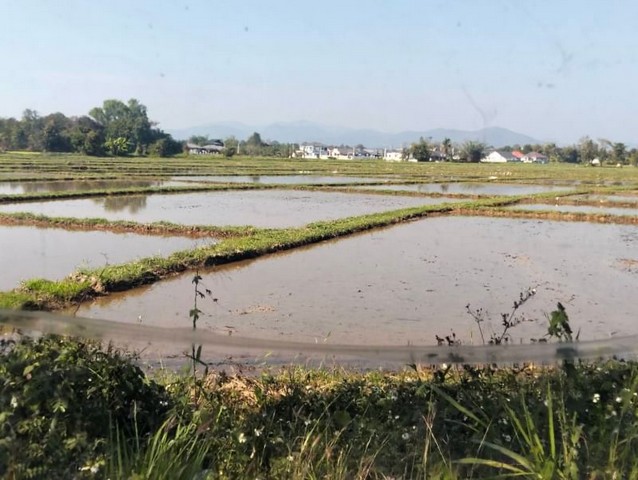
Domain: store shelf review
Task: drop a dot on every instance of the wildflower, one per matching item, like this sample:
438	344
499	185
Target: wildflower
242	438
258	432
14	402
290	458
405	436
618	399
507	438
596	398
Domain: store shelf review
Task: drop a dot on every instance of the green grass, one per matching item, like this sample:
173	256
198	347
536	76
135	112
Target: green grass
70	407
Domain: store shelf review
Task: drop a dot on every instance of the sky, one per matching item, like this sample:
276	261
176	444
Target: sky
554	70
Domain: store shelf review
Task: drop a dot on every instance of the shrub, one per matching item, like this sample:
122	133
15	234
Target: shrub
60	399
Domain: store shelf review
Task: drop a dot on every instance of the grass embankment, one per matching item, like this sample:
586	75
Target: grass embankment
155	228
72	410
46	295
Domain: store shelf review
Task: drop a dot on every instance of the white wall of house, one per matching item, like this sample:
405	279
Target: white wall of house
393	156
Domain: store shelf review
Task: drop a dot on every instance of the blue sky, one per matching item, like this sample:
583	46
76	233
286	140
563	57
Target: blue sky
555	70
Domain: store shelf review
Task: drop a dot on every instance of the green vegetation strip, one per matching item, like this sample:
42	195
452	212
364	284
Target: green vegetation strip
47	295
74	409
155	228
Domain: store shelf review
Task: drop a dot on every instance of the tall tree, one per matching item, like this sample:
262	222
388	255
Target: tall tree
446	148
420	150
472	151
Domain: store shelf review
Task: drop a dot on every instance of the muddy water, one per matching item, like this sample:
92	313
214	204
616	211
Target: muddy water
407	283
268	208
29	252
472	188
279	179
602	210
607	198
20	187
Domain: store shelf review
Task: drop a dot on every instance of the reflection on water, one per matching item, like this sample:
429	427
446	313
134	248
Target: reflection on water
470	188
261	208
28	252
132	203
20	187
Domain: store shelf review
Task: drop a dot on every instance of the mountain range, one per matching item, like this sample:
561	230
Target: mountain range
302	131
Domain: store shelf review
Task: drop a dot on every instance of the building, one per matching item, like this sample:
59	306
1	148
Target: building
500	156
534	157
215	147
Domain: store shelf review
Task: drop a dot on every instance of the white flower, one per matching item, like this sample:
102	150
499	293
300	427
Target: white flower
618	399
242	438
14	402
596	398
258	432
405	436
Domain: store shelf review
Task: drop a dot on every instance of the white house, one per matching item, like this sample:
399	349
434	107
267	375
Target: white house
393	155
341	153
312	150
534	157
500	156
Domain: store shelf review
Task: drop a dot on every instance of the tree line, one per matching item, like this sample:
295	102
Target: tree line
585	151
253	146
116	128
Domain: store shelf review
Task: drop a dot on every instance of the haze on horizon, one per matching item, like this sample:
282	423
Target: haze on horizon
552	70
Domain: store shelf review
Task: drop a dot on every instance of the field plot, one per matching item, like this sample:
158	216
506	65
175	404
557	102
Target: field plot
409	283
603	209
279	179
267	208
42	186
471	188
52	253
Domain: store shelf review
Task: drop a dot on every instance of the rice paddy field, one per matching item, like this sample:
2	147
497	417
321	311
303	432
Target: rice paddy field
339	255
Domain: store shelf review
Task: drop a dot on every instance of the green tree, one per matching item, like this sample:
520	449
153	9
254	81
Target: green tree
254	144
472	151
587	150
420	150
117	147
200	140
619	153
129	121
446	148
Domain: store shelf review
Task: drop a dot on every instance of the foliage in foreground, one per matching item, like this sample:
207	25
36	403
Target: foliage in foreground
70	409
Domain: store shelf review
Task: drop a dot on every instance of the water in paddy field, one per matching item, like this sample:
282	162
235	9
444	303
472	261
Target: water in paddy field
52	253
261	208
280	179
48	186
603	209
406	284
469	188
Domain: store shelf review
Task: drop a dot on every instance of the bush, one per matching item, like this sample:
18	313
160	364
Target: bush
61	399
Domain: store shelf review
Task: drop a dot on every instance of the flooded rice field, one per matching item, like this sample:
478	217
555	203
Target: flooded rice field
279	179
46	186
624	198
598	209
470	188
408	283
261	208
52	253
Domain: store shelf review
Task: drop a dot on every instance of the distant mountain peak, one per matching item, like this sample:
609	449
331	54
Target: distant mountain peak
305	131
